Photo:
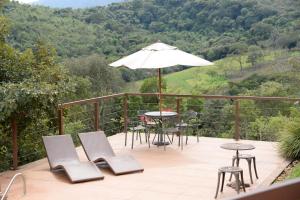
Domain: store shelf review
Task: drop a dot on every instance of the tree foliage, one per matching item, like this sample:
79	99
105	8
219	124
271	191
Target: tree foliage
255	53
104	80
150	85
32	84
211	28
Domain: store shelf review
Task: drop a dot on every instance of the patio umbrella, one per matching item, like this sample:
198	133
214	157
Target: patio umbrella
159	55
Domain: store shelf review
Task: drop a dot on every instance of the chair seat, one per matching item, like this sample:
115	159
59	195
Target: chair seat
245	156
186	125
150	123
97	148
239	178
137	128
170	130
230	169
124	164
183	125
84	171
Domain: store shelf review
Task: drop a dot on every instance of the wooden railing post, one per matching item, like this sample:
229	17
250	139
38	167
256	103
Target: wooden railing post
96	115
61	121
178	107
14	128
237	134
125	112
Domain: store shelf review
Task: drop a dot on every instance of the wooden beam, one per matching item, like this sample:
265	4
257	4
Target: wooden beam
61	121
288	189
178	107
125	113
237	135
96	116
15	149
220	97
225	97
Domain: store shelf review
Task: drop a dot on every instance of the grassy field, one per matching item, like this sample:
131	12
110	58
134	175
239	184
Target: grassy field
295	172
213	79
203	79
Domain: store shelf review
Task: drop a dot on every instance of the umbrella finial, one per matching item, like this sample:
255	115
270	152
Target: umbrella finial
158	41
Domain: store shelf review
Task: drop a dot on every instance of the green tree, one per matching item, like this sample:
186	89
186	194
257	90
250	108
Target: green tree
31	86
288	40
261	31
150	85
104	79
266	128
239	53
295	63
255	54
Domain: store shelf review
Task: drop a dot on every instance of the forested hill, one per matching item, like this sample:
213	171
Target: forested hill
212	28
74	3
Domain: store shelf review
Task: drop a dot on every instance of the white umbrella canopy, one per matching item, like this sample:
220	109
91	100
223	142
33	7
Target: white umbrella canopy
159	55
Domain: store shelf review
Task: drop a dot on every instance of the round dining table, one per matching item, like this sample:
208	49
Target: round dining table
237	147
158	117
158	114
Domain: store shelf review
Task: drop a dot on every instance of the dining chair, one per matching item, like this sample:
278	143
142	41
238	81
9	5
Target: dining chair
169	128
238	174
137	126
249	158
188	121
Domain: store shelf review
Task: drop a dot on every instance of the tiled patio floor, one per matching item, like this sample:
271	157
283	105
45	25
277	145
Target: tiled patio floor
169	175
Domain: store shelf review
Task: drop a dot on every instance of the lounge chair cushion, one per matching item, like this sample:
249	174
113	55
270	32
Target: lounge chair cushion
98	148
96	145
60	150
123	164
61	154
83	171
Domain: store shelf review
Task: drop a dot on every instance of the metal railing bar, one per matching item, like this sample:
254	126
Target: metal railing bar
11	182
86	101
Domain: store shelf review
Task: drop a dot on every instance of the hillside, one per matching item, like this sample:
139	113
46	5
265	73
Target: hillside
226	74
212	28
75	4
70	3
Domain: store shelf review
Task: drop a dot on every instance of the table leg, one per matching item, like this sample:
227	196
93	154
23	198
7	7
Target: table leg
233	184
160	135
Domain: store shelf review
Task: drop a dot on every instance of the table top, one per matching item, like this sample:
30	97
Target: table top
162	114
237	146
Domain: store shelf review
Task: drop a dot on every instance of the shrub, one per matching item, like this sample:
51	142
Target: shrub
290	141
266	128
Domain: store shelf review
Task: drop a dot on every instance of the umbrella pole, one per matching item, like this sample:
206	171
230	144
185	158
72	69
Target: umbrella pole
159	89
160	136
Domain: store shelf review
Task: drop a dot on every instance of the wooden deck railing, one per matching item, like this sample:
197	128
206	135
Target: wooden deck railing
96	100
96	103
